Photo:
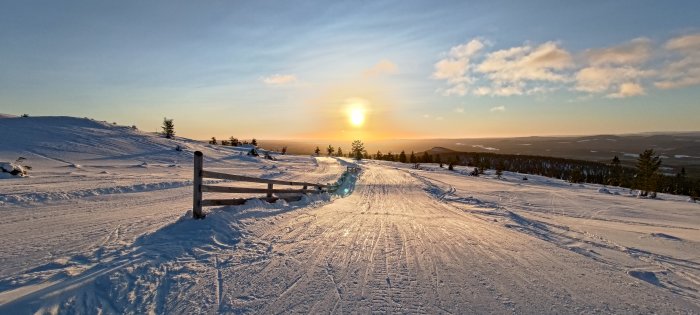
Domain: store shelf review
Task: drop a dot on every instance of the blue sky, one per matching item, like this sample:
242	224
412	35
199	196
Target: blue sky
419	68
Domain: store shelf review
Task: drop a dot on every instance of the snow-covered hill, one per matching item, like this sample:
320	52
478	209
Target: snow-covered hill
81	141
101	226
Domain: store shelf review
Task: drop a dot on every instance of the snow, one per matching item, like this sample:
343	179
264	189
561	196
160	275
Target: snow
103	225
9	169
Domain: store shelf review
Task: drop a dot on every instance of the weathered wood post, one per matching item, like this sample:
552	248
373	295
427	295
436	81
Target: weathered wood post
269	190
197	184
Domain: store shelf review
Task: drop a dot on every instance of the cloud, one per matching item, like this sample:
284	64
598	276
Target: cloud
684	71
279	79
503	72
636	51
627	90
498	109
455	66
526	63
383	67
603	79
616	71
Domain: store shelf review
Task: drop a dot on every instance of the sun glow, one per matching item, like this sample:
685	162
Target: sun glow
357	117
356	111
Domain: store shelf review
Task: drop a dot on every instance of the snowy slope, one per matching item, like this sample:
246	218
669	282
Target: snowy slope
112	236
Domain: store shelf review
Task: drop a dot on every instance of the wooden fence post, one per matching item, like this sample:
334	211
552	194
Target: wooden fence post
269	190
197	184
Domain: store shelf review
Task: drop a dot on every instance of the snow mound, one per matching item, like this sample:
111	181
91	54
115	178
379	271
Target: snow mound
646	276
666	236
604	190
13	169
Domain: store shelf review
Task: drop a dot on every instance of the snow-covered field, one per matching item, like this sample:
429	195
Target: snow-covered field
101	226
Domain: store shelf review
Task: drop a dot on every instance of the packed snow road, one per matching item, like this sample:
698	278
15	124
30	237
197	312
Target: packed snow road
403	241
393	247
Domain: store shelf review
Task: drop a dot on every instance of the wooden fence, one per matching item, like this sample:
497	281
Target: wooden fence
199	188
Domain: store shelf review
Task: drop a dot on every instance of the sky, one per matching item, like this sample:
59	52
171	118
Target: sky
357	69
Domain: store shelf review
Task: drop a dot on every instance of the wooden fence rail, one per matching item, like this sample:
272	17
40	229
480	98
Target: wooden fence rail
289	194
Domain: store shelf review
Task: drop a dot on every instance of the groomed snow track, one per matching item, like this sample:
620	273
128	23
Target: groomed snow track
392	246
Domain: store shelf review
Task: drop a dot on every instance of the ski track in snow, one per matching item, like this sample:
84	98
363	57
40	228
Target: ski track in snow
110	235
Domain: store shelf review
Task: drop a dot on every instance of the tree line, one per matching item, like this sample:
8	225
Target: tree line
645	176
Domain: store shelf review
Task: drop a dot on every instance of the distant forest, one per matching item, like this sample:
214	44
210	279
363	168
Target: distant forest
575	171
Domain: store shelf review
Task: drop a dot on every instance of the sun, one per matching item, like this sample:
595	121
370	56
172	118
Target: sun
357	117
356	110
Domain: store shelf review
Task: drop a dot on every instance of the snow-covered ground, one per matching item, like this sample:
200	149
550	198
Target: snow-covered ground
101	226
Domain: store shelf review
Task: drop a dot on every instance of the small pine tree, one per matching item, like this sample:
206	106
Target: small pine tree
254	142
168	128
402	156
284	150
412	158
647	179
357	148
330	149
379	156
339	152
615	172
317	151
427	158
499	169
451	167
213	140
233	141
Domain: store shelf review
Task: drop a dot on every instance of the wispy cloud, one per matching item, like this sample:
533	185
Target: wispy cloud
498	109
383	67
617	71
683	71
455	66
636	51
279	79
627	90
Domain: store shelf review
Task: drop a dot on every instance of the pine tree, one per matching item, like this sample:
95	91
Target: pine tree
339	152
680	182
499	169
647	179
317	151
213	140
234	141
254	142
284	150
576	176
427	158
412	158
379	156
357	148
402	156
168	128
615	172
330	150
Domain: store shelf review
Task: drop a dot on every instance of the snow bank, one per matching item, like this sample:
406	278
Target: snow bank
12	169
